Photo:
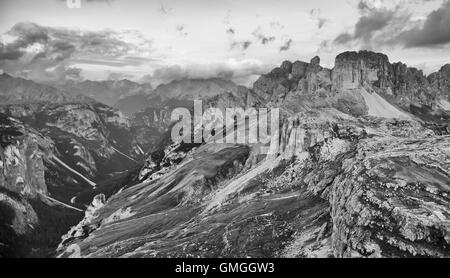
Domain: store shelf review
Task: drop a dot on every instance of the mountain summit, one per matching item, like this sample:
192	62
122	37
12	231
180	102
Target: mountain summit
361	170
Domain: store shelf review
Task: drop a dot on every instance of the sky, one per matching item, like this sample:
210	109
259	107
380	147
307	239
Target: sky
158	41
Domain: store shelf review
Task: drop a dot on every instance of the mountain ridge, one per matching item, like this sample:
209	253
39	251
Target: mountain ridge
344	182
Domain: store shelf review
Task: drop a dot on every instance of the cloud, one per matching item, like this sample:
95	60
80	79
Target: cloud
181	30
230	31
8	52
286	45
435	30
380	26
90	1
372	19
118	76
164	9
316	15
105	1
48	54
264	39
276	25
241	72
242	45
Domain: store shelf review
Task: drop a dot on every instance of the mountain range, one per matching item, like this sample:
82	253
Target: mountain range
361	168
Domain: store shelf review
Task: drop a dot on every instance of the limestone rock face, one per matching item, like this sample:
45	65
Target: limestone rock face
30	216
315	61
411	86
354	175
440	81
18	219
87	136
339	186
401	85
22	163
354	69
274	84
299	69
390	201
360	168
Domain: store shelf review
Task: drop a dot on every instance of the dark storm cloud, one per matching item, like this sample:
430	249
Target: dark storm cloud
376	20
381	26
343	38
286	45
372	20
27	34
7	52
434	32
46	53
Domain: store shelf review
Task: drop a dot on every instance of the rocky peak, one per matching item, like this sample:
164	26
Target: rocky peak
299	69
21	158
355	69
286	66
440	82
289	77
315	61
15	90
445	69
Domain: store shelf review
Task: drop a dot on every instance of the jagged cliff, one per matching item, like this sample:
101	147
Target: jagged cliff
31	217
57	150
89	137
362	169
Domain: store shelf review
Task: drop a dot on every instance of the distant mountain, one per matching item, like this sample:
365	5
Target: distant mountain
14	90
179	90
153	120
360	168
131	104
107	92
190	89
53	158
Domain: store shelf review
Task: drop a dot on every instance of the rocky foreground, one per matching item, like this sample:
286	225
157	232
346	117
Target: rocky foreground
362	169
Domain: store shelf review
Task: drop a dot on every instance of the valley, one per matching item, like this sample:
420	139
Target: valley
361	167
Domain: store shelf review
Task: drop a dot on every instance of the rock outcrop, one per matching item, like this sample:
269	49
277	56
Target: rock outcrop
22	163
391	173
31	219
360	168
346	181
87	136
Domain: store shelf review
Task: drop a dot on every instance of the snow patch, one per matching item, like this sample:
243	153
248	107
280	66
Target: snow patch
93	184
119	152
